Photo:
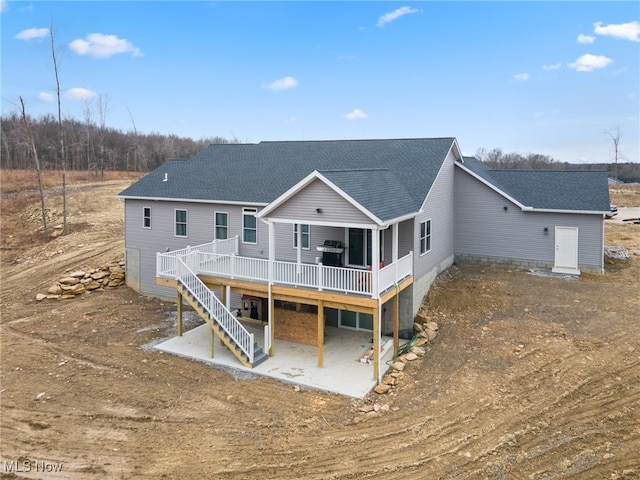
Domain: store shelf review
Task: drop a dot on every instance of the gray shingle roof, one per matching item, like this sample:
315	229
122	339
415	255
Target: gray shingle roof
390	178
585	191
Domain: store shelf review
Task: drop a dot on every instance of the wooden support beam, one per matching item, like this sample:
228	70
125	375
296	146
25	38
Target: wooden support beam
394	291
396	323
376	343
179	313
320	333
211	342
223	295
272	311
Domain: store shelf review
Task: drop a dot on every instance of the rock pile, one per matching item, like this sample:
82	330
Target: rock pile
74	283
424	333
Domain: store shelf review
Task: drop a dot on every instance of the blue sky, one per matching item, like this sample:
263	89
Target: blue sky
544	77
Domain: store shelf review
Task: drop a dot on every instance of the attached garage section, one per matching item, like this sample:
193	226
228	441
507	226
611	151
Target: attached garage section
494	228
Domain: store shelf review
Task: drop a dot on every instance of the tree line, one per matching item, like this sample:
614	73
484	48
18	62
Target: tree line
627	172
90	145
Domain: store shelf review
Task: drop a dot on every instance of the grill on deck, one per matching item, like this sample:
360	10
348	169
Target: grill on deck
331	253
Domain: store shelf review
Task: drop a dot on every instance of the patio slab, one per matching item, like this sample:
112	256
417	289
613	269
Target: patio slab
295	363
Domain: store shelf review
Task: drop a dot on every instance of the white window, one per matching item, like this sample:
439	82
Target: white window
181	223
425	236
249	225
146	217
305	232
221	229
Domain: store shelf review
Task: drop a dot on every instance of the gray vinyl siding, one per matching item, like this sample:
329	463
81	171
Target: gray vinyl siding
438	208
285	251
316	195
485	229
161	236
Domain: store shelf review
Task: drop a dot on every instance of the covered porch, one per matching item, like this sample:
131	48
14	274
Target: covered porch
343	372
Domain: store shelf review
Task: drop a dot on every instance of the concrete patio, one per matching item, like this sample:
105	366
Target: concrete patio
296	363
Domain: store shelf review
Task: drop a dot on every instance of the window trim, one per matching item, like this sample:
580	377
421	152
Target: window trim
427	236
175	222
215	224
307	234
249	212
146	217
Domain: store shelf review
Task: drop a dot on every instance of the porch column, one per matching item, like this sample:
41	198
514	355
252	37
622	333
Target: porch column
299	244
179	313
394	242
375	260
320	333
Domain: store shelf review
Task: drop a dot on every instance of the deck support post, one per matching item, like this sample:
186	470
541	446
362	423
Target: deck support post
179	314
376	342
396	321
320	333
211	342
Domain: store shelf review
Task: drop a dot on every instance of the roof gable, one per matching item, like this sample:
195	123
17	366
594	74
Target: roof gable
580	191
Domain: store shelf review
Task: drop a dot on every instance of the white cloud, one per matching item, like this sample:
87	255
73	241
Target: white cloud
626	31
391	16
46	97
79	93
588	62
283	84
103	46
586	39
356	114
3	5
31	33
553	66
521	77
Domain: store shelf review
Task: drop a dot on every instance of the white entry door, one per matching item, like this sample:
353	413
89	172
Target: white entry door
566	253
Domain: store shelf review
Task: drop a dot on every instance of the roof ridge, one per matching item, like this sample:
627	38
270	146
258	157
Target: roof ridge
349	140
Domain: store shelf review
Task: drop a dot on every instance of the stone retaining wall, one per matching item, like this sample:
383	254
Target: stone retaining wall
77	282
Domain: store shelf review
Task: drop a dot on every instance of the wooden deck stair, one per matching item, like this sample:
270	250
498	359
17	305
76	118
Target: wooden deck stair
259	354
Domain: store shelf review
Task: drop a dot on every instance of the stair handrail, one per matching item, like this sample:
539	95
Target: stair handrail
217	311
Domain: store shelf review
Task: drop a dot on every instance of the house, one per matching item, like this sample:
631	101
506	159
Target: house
308	235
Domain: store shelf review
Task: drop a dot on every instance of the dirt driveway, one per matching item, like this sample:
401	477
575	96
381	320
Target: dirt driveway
532	377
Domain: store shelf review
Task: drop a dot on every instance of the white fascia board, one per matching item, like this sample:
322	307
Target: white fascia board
191	200
551	210
289	221
315	175
493	187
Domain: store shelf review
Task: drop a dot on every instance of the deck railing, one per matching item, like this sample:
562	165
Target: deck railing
316	276
166	262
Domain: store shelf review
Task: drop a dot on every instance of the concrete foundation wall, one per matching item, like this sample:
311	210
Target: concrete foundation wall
465	259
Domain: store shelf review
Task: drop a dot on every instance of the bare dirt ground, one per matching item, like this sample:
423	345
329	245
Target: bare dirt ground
531	377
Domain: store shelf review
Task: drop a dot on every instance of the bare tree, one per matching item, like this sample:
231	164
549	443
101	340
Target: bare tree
63	157
617	155
88	119
135	144
103	110
34	150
